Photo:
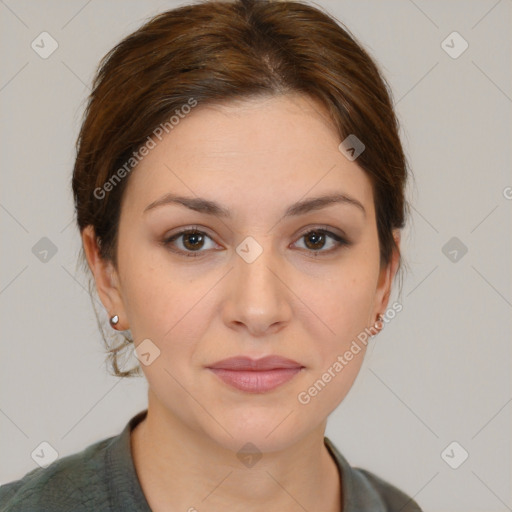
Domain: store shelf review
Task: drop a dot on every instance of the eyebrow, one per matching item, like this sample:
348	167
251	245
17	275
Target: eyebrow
208	207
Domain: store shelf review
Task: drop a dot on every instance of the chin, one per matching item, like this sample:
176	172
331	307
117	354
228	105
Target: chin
269	429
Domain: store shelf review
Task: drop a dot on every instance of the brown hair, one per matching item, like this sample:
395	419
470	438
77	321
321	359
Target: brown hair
214	52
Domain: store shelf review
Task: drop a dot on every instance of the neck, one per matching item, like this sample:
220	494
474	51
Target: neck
182	469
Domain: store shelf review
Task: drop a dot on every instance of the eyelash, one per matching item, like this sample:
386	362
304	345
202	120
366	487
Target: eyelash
341	242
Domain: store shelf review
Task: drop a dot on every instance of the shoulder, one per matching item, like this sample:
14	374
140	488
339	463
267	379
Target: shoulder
391	498
363	490
75	482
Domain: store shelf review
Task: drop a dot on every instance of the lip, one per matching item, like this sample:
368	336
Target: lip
255	375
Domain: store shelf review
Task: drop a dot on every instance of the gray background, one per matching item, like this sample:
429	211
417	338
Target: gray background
440	372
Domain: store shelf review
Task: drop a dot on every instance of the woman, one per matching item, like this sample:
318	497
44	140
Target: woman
239	189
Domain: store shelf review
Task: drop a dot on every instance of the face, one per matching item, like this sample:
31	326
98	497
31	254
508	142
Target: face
261	272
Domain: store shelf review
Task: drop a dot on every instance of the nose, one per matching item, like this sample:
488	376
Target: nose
258	298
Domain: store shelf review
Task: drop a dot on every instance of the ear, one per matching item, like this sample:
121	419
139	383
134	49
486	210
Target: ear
105	277
385	281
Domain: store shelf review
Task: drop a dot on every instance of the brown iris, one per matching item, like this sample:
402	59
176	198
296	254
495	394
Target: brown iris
318	239
193	240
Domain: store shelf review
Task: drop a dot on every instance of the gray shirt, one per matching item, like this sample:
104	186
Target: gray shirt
102	477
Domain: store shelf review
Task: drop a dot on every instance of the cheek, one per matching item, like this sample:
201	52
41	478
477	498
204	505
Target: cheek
174	306
342	305
153	292
339	306
174	314
160	306
340	339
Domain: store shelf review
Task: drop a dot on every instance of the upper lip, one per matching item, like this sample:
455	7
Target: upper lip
244	363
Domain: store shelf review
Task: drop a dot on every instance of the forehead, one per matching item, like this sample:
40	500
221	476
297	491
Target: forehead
251	153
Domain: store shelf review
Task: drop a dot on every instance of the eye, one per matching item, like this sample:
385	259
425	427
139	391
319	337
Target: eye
192	242
318	239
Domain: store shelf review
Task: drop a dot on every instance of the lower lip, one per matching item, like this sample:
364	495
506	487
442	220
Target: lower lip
256	381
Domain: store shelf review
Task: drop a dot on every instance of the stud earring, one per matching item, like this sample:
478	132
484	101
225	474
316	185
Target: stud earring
379	325
114	320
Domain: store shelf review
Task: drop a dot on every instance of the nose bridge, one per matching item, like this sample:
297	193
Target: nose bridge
256	265
259	296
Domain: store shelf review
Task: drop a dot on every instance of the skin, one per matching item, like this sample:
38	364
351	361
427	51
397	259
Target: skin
255	157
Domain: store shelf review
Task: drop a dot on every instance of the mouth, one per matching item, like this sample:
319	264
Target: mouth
256	375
